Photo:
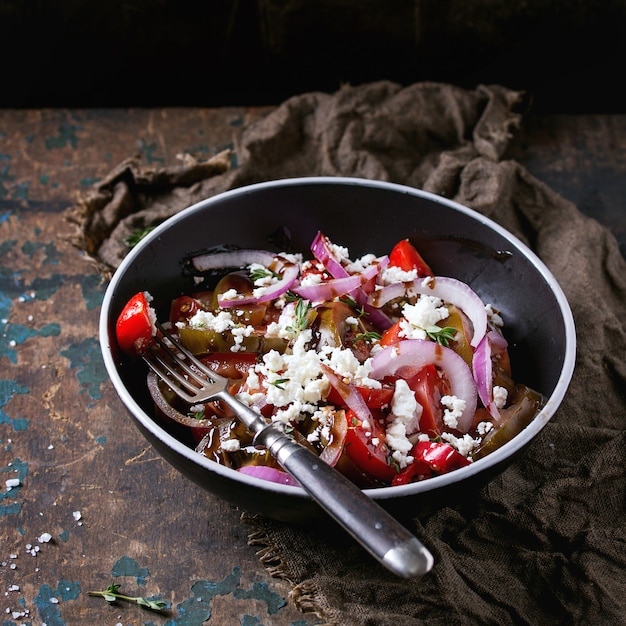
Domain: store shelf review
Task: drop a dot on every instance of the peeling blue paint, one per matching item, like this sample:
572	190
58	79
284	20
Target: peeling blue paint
15	334
51	253
8	388
67	136
5	177
49	601
93	291
86	358
64	536
260	591
126	566
148	150
17	469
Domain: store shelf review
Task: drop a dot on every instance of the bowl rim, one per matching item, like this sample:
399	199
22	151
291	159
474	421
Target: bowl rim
499	455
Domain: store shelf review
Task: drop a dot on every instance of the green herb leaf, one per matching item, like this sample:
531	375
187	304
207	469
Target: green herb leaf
301	315
368	337
259	273
111	595
441	335
135	237
279	382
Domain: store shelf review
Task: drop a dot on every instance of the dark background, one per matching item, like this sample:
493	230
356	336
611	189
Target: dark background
568	56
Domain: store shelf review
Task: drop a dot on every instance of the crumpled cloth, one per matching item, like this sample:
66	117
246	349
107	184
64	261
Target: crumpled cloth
543	543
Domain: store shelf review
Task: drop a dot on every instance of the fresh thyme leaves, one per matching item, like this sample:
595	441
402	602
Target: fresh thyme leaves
198	415
368	337
111	595
260	273
279	382
350	301
136	236
301	315
441	335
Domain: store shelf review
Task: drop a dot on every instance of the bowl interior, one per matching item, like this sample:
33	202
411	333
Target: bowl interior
365	216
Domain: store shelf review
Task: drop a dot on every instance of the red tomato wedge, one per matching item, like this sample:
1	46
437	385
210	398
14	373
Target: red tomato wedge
374	398
429	388
405	256
365	445
135	326
431	458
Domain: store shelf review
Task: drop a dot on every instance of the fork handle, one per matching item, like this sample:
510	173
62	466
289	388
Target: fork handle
383	536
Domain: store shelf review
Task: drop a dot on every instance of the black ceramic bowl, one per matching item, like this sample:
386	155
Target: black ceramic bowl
365	216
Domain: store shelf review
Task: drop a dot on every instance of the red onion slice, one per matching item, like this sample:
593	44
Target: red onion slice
406	358
482	366
231	258
288	278
353	399
330	289
269	473
445	288
321	247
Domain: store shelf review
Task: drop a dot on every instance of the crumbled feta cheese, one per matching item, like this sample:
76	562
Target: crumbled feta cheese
427	311
483	428
392	274
356	267
500	395
454	408
494	316
231	445
465	444
405	414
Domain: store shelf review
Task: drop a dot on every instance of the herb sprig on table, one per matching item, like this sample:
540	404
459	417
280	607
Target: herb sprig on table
111	595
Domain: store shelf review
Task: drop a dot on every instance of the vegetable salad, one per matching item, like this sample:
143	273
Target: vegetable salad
388	372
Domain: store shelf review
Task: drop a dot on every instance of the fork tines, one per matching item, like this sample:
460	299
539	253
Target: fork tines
173	363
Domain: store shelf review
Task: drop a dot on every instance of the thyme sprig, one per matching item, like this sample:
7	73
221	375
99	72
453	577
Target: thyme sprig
301	316
441	335
368	337
261	272
111	595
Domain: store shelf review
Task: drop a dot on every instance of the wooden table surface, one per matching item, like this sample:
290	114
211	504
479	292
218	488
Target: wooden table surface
88	502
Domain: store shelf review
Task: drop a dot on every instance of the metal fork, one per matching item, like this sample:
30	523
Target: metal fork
383	536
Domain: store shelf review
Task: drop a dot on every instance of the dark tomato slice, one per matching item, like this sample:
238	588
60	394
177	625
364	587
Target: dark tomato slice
230	364
184	308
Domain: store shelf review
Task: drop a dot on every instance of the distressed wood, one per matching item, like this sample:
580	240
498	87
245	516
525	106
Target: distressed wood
115	511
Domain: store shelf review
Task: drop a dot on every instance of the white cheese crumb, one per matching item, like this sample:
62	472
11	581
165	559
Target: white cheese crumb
231	445
500	395
454	408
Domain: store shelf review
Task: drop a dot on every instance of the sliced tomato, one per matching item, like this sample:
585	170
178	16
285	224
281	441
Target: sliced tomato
429	387
374	398
135	329
391	335
231	364
365	446
430	458
405	256
183	308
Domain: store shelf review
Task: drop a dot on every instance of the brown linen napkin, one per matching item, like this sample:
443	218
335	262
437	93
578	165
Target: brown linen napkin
544	543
